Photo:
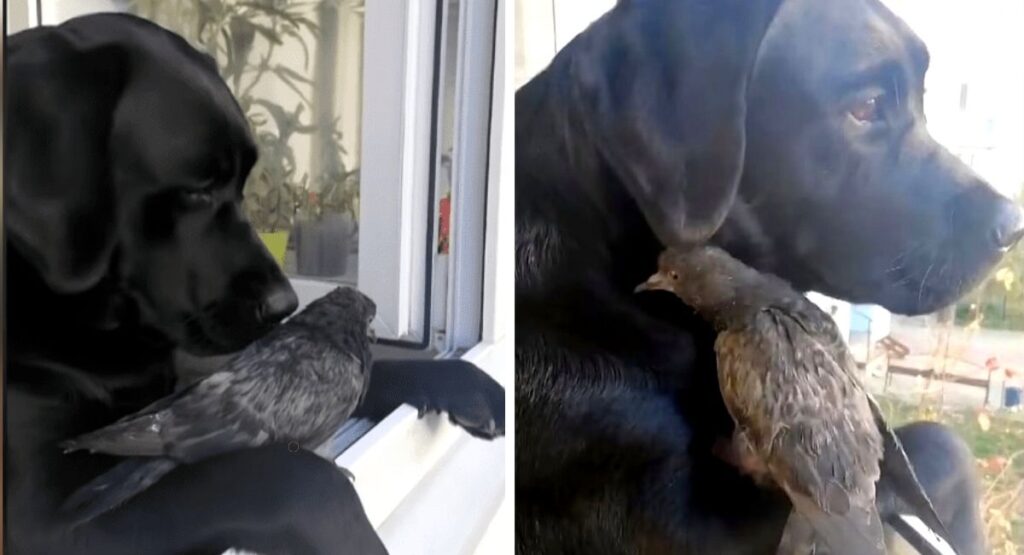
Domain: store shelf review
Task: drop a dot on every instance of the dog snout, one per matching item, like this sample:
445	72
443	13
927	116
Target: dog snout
278	303
1008	227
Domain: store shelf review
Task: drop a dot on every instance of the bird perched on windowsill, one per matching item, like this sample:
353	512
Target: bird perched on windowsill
295	386
803	420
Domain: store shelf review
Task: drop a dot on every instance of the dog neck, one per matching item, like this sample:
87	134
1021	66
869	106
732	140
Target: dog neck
79	323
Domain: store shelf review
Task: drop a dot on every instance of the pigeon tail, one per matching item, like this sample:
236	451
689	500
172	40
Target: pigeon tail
856	532
116	486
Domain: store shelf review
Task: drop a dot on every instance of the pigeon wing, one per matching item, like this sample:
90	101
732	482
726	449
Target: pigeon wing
786	390
836	445
895	464
132	435
328	378
212	416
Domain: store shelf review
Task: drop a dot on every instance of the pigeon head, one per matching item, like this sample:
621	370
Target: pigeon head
708	279
343	309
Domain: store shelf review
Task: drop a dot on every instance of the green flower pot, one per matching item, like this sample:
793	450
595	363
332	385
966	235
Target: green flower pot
277	244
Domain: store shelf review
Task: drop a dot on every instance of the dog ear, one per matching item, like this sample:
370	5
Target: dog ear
661	89
62	87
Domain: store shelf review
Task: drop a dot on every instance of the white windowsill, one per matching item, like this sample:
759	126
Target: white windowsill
426	485
429	487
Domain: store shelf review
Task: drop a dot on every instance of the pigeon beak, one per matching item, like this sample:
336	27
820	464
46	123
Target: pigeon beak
653	283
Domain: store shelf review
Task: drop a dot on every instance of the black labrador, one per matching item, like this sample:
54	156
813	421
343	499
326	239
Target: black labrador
792	134
126	156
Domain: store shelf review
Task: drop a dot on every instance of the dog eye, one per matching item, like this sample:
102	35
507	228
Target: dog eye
868	111
221	170
674	276
197	198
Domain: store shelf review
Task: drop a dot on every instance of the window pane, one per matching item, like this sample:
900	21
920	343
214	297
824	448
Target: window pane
296	70
544	27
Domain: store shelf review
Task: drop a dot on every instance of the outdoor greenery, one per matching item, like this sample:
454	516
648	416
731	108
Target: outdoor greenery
245	38
997	441
995	437
999	301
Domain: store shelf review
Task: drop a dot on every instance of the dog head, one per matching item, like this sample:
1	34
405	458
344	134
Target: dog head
792	134
850	193
128	166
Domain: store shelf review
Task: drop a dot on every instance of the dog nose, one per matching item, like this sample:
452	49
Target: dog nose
278	304
1009	226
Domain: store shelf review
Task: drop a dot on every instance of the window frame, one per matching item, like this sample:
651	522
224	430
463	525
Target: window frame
398	167
407	468
397	181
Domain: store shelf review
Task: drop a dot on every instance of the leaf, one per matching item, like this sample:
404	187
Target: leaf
290	17
206	17
984	422
267	33
293	74
284	120
1006	277
292	32
239	41
288	82
304	129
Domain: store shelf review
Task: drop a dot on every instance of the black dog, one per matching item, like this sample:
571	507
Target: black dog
126	156
789	132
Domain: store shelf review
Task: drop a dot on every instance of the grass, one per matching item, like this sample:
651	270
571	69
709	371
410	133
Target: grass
995	315
997	441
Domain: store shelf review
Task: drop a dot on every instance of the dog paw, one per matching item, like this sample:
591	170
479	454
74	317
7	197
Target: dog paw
471	398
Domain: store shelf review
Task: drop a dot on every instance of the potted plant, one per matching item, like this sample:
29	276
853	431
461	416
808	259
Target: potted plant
243	37
273	194
325	223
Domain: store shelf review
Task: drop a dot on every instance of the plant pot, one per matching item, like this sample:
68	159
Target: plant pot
277	244
322	246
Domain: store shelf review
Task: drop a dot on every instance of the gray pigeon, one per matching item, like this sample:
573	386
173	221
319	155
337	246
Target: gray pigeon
803	420
295	386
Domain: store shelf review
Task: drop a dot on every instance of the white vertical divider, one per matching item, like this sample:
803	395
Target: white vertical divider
398	77
473	97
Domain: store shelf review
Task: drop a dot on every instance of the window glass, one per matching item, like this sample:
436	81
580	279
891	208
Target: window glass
545	26
296	70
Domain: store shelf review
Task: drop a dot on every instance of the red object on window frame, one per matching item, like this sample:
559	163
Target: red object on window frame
444	225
